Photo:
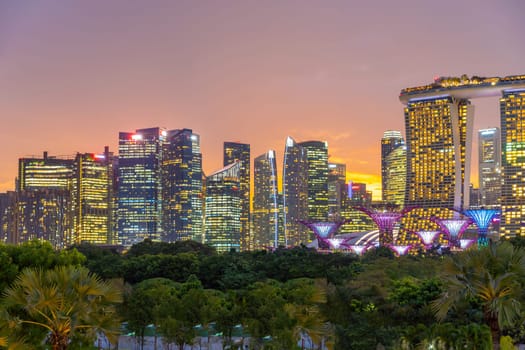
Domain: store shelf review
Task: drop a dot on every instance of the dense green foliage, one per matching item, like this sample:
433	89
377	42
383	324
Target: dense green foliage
290	298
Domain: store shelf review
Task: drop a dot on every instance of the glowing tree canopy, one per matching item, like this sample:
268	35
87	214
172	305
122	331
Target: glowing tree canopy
465	243
323	230
482	218
454	228
400	249
427	237
358	249
336	243
385	221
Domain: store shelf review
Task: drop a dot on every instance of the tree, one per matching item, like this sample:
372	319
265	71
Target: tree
490	275
66	302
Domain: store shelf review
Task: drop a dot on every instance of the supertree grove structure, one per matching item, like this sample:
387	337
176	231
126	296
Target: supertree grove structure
482	218
400	249
358	249
385	221
337	243
427	237
324	231
465	243
454	229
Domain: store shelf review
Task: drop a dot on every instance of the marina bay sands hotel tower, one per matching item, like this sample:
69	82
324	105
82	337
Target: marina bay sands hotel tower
439	123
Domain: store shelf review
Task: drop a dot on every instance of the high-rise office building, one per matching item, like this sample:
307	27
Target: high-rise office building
337	189
357	195
394	176
391	140
93	197
240	152
43	206
223	209
266	203
182	196
317	156
139	185
512	105
489	143
295	193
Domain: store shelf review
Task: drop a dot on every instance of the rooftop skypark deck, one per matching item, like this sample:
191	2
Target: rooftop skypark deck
463	87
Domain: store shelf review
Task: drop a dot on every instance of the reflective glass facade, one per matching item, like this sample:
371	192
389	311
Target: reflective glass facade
182	189
139	185
94	195
240	152
391	140
395	176
266	203
223	209
337	190
317	156
489	145
512	106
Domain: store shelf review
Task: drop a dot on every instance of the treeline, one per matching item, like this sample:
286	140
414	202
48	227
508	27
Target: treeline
287	298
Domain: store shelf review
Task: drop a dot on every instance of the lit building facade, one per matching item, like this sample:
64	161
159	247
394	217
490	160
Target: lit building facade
512	105
295	193
139	185
438	139
356	220
94	198
48	173
394	180
317	156
223	209
391	140
182	188
489	143
240	152
266	202
337	189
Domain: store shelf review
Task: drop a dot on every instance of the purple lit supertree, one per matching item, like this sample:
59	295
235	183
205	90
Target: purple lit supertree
427	237
385	221
336	242
482	218
453	228
358	249
400	249
323	231
465	243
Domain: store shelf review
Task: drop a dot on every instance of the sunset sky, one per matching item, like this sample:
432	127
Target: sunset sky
75	73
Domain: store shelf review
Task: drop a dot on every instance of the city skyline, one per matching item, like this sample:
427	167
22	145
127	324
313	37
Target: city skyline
73	75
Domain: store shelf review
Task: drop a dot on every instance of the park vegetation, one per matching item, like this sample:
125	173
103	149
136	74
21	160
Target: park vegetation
286	299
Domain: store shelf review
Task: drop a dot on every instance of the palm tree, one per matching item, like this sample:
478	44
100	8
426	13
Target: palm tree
491	275
66	302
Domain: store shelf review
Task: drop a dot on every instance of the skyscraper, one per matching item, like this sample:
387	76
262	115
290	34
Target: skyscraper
295	193
337	189
438	132
94	198
317	157
223	208
139	185
182	196
512	105
391	140
266	203
489	143
394	176
240	152
45	173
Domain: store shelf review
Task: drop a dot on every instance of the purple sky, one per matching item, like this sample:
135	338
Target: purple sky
75	73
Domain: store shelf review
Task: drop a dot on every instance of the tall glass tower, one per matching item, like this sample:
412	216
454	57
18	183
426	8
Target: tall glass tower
266	202
317	156
240	152
139	185
512	105
223	208
182	197
337	189
489	166
295	193
93	196
395	175
390	141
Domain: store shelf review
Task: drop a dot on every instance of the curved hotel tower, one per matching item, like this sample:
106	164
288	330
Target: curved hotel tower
438	121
